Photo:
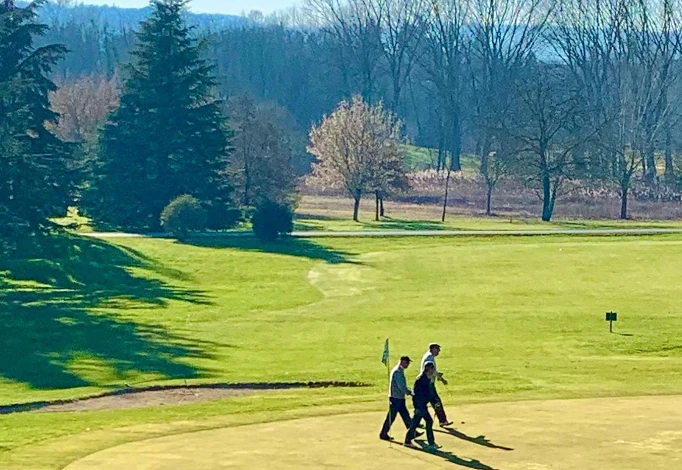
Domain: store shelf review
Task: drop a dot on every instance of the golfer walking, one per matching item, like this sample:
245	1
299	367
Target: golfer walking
397	392
430	357
423	395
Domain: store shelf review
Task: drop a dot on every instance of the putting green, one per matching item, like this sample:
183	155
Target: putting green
599	434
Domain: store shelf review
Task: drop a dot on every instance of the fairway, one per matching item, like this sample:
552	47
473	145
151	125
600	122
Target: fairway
519	319
590	434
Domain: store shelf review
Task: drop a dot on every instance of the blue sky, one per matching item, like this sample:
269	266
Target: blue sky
234	7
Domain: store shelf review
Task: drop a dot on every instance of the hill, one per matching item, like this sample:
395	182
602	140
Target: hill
117	18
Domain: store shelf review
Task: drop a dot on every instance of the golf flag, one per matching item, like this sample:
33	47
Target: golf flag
384	357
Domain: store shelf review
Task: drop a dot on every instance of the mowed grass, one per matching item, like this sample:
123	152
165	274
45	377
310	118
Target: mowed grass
519	318
605	434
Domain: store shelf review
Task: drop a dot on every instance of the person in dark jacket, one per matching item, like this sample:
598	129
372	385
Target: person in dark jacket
422	395
397	392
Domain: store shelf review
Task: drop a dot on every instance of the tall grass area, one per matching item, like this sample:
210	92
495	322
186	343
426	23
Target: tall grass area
325	213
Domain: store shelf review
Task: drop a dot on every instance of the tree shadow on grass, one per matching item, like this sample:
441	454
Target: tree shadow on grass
452	458
307	223
388	223
52	296
480	440
288	246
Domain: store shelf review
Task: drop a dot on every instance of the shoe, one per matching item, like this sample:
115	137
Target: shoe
418	434
432	447
409	444
385	437
445	424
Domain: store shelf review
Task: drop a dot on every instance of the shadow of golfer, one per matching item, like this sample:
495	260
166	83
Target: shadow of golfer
450	457
480	440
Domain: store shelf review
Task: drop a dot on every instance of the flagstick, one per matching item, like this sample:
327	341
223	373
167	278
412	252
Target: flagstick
387	363
388	366
388	373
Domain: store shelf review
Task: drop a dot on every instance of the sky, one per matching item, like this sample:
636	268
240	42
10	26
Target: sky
233	7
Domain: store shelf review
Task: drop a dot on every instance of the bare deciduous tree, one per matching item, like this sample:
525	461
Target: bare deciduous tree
261	162
401	36
546	131
507	37
83	107
623	56
447	47
356	26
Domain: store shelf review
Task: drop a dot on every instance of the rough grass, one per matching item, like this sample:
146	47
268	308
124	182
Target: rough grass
328	213
518	318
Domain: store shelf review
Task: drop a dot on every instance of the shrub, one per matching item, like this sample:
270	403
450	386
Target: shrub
271	220
183	215
222	216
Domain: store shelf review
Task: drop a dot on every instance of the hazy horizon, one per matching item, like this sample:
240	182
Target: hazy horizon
230	7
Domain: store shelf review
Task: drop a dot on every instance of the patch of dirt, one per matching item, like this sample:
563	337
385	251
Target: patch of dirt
129	398
145	399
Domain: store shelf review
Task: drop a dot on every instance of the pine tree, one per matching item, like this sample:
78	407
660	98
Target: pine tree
35	176
168	137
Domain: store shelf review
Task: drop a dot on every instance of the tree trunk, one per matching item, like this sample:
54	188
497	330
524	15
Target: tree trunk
548	209
489	200
445	199
624	202
382	213
441	149
356	208
547	202
650	175
669	166
376	209
246	200
456	149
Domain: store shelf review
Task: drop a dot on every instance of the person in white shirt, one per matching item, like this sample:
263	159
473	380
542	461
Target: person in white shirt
430	356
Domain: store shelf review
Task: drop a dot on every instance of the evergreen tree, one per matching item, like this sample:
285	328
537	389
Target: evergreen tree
35	176
168	137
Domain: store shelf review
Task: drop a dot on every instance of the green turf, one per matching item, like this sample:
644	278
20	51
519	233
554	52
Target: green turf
422	158
518	318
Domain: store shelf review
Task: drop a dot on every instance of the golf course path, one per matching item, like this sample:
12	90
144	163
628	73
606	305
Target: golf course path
590	434
413	233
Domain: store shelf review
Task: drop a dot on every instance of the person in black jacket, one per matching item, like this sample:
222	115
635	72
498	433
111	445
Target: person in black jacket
422	395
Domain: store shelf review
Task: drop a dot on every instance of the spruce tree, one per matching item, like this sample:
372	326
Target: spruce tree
168	137
35	176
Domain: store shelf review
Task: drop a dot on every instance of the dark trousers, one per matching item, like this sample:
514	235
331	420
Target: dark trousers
396	407
420	414
438	406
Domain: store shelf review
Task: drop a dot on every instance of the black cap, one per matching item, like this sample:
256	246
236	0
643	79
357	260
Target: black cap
434	345
429	365
405	358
